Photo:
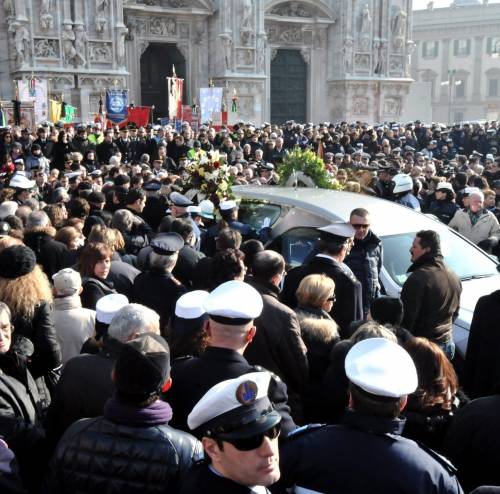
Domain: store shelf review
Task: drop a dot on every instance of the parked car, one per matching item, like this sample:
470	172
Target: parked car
295	215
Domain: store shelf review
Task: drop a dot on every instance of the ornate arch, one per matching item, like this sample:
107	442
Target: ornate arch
319	10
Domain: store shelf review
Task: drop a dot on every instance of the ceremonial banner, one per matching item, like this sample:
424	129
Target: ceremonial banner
117	105
35	90
26	110
55	108
174	86
210	102
139	115
70	114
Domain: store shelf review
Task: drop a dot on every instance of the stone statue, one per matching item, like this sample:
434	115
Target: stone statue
399	22
120	46
80	44
347	51
199	30
380	57
8	6
46	19
227	49
68	43
410	46
101	21
246	24
21	42
261	53
366	20
430	6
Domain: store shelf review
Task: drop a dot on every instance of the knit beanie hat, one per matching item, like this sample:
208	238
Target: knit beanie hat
16	261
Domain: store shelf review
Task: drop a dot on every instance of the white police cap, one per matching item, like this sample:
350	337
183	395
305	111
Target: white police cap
239	407
382	368
471	190
444	186
19	181
190	305
234	302
227	205
179	200
194	210
207	208
339	230
108	306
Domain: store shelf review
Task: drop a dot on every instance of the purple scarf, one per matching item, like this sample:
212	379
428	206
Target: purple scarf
119	412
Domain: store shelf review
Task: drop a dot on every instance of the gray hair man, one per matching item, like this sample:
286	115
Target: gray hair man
85	383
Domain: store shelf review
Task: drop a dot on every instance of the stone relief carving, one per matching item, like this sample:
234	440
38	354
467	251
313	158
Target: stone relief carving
183	31
362	62
177	4
227	49
162	26
68	43
46	19
100	82
247	22
245	105
306	55
21	42
99	52
347	52
244	57
292	9
61	82
101	7
396	66
392	106
261	53
398	44
46	48
319	38
360	105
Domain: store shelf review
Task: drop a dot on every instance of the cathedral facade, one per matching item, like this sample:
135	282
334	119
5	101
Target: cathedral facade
308	60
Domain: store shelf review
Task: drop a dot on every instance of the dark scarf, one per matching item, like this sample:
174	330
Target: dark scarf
157	413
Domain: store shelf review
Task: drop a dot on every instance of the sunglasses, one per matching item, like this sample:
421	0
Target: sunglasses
254	442
331	299
359	225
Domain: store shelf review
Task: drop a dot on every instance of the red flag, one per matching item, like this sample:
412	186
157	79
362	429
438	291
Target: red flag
139	115
179	83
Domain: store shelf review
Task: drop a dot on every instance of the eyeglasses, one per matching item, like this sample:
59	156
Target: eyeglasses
332	299
254	442
359	225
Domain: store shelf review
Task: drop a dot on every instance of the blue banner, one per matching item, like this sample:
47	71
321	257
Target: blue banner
117	105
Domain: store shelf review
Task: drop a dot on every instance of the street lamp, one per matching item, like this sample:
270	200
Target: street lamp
450	83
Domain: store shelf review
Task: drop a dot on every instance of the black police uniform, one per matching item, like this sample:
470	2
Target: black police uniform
349	304
203	475
158	291
193	377
365	454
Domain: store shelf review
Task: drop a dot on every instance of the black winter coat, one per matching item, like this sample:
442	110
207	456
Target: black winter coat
50	254
21	411
443	210
365	261
473	443
193	377
93	290
482	360
431	298
99	455
277	345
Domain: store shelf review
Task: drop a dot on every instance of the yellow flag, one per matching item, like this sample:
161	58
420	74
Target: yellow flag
55	110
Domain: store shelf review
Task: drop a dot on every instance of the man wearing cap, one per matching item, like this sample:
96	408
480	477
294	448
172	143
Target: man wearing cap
23	187
334	245
231	309
239	429
74	324
135	449
157	288
178	208
85	384
367	453
444	207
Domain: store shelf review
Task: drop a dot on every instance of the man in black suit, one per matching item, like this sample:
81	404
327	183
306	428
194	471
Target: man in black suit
335	244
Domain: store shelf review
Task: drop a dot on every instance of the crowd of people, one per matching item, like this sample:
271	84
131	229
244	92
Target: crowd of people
149	342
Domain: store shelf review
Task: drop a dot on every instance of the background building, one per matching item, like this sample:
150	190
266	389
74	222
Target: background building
457	51
310	60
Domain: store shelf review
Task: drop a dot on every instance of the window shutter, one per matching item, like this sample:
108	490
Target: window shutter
468	46
455	47
424	48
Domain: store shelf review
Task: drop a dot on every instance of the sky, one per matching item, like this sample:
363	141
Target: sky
422	4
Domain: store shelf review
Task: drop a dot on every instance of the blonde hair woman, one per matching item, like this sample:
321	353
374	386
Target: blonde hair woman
25	289
316	296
